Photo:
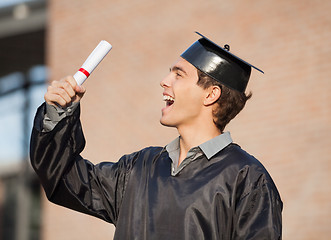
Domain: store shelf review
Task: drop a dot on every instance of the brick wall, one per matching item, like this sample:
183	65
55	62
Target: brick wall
286	124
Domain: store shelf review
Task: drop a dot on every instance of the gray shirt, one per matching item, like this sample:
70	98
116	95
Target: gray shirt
55	114
209	149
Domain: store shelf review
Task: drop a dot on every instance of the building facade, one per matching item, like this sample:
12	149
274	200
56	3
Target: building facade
286	124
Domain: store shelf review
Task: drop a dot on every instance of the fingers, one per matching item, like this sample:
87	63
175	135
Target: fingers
80	89
64	92
56	96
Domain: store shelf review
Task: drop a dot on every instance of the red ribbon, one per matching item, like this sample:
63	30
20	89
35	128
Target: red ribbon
87	74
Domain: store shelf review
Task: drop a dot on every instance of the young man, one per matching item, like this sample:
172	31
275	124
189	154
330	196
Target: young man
200	186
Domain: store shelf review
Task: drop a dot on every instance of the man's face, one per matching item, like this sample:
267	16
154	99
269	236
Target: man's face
183	97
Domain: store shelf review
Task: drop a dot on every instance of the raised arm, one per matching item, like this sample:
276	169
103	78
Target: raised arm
67	178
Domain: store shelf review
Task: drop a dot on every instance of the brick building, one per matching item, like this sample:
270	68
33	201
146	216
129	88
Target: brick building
286	124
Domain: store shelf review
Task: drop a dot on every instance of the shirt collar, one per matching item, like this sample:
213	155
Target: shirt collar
216	144
173	149
209	148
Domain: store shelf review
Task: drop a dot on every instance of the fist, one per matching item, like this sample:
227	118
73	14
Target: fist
64	92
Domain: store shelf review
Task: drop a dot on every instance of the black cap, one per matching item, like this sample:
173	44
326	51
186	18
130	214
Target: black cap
219	63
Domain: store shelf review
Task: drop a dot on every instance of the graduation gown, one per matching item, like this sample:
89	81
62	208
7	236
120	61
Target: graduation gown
230	196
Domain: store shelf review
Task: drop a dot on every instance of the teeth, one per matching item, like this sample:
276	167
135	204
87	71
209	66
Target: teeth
168	98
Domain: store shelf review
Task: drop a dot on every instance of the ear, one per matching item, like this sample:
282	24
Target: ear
213	93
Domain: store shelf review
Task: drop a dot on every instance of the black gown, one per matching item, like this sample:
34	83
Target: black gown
230	196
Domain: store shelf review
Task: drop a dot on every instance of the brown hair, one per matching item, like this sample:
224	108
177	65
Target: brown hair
230	103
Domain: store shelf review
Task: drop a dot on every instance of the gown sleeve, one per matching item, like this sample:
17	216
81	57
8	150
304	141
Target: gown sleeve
67	178
258	211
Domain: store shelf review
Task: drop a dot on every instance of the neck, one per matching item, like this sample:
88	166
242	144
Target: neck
194	136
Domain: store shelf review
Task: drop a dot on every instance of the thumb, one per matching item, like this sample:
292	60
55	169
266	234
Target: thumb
80	89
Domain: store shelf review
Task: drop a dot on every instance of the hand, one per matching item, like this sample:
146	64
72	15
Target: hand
64	92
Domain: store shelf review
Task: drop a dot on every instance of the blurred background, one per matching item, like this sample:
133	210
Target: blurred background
286	124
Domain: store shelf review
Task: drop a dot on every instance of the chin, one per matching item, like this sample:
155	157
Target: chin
166	123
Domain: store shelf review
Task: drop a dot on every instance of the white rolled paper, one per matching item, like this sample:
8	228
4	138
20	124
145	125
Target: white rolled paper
92	62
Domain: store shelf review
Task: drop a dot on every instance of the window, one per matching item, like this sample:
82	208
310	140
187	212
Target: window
23	77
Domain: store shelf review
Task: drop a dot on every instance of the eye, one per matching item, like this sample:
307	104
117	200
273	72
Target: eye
177	71
178	74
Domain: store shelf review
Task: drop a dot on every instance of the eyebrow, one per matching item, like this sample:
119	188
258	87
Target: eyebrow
177	68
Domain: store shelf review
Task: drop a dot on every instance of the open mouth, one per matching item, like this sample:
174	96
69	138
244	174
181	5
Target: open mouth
168	99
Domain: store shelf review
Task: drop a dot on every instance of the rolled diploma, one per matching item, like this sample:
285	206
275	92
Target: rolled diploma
92	62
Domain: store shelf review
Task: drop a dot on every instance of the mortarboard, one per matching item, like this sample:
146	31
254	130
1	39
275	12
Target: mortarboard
219	63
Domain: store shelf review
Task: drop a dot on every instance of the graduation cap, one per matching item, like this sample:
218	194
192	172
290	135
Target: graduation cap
219	63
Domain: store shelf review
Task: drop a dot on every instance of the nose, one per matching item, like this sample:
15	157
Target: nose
165	83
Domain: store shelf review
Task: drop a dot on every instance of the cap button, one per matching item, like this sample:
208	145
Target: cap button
227	47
